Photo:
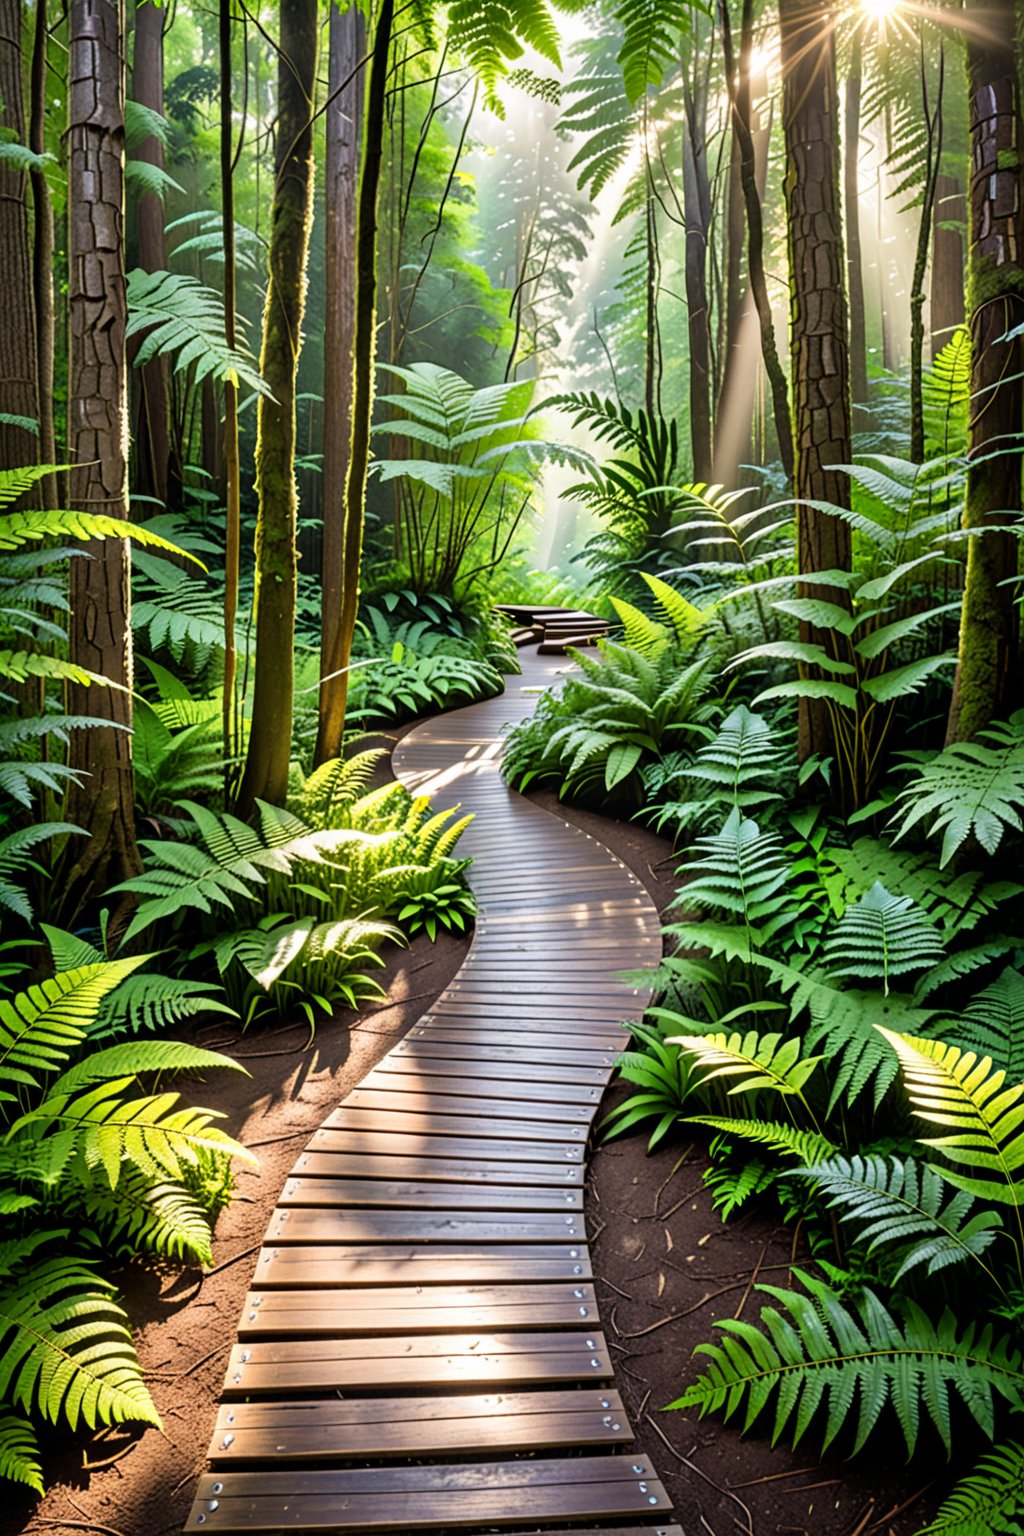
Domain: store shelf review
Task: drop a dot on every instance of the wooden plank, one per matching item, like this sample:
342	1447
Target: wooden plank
426	1046
313	1191
508	1085
484	1070
398	1426
381	1264
301	1224
398	1104
313	1313
445	1477
419	1360
461	1126
481	1170
419	1510
419	1144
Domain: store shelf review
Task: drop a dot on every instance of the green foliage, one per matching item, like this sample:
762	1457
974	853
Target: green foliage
814	1354
430	899
465	479
758	1063
971	789
738	770
992	1024
489	35
882	936
899	1207
990	1502
662	1071
595	736
178	317
964	1093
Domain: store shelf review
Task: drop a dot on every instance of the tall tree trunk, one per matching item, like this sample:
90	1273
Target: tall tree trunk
821	386
738	84
364	347
100	635
734	418
340	584
987	683
697	212
854	259
266	766
948	309
232	462
42	256
153	440
19	385
933	157
653	361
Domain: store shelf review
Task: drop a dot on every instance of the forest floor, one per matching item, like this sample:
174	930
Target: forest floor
666	1269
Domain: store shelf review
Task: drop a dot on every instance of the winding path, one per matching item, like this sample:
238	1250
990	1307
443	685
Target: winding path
425	1289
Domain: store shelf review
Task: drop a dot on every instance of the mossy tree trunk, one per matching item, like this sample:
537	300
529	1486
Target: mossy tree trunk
988	684
344	139
232	463
100	635
269	752
19	384
820	359
851	198
364	351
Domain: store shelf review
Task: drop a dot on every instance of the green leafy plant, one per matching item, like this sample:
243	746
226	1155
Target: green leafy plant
990	1502
971	789
815	1356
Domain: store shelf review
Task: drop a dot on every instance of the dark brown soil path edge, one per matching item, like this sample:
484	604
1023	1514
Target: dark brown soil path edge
666	1269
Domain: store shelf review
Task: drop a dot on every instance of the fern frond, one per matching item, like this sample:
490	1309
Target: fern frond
959	1090
972	788
19	1451
785	1140
180	318
65	1350
990	1502
992	1024
882	936
143	1216
897	1203
41	1026
817	1357
757	1061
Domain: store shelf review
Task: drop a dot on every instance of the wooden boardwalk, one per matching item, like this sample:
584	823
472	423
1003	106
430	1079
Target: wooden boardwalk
421	1349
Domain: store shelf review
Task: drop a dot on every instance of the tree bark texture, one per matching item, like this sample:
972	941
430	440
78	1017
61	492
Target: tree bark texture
948	306
269	753
734	418
152	437
854	257
232	462
738	83
100	625
19	387
987	681
820	362
697	212
340	584
42	257
364	350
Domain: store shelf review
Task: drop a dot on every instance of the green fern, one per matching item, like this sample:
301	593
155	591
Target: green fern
882	936
178	317
488	34
17	854
784	1140
65	1351
758	1062
42	1025
972	788
143	1216
815	1354
898	1204
19	1450
990	1502
992	1024
958	1090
